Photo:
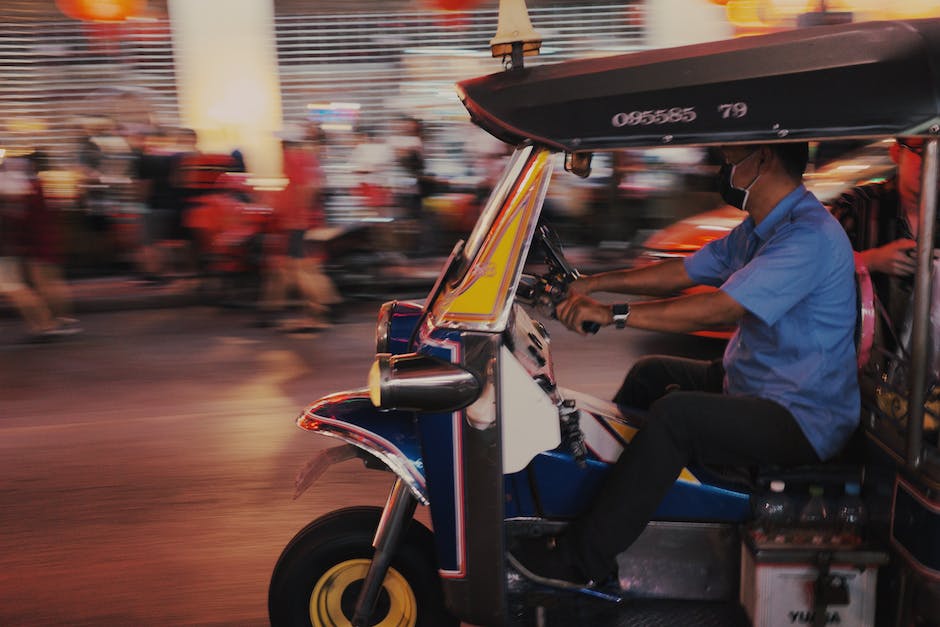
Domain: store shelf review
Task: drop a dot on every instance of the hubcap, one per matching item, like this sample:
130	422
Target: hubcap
333	600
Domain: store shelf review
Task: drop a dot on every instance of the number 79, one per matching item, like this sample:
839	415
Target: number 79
733	110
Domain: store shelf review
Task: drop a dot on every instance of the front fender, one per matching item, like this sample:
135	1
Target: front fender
389	435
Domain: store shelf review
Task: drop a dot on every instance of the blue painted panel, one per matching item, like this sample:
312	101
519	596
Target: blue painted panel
395	427
437	436
440	441
565	490
445	335
519	501
689	501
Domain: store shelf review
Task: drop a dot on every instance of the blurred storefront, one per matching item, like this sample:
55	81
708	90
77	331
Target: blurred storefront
342	66
57	73
370	69
378	60
340	63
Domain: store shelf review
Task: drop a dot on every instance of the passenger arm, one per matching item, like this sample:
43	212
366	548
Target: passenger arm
894	258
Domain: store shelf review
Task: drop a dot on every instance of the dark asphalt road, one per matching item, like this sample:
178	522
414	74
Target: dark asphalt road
146	467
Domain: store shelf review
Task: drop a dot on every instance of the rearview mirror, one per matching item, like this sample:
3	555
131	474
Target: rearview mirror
579	163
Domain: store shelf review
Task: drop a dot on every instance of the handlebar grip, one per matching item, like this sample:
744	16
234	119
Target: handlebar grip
590	327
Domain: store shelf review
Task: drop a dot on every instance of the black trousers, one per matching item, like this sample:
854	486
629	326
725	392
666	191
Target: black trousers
690	420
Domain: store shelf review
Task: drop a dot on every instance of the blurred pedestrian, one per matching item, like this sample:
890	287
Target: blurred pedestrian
413	186
30	252
407	143
189	178
372	162
289	266
112	211
147	257
154	165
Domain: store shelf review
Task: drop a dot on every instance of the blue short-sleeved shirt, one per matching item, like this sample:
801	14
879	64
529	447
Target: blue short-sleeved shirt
795	275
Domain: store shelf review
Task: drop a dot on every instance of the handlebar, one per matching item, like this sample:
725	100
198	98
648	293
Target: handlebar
590	327
552	288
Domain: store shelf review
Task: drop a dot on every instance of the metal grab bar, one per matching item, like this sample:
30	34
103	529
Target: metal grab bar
921	315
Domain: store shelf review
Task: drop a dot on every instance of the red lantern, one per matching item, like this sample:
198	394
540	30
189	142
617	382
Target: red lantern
454	5
102	10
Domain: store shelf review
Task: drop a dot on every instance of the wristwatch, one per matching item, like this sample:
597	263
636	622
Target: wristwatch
620	311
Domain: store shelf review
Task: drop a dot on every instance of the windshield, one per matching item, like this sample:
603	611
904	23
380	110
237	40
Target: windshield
493	205
479	295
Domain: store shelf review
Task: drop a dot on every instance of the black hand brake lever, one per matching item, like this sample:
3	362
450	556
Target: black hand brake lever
555	258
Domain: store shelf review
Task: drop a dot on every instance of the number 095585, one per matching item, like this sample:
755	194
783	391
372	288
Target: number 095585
675	115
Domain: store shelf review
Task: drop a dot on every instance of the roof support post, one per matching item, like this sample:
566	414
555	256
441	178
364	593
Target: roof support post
921	308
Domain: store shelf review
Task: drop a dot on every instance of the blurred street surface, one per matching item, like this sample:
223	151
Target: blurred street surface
147	465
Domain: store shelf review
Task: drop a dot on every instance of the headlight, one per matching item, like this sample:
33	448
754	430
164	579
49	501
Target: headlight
419	382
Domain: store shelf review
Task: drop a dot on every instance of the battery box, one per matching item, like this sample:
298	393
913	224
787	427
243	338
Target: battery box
783	585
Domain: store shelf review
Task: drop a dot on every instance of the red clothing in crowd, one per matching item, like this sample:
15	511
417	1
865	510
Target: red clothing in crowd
297	206
41	239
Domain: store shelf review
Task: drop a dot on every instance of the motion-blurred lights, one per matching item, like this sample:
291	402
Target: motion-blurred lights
764	13
351	106
59	184
266	184
893	9
446	51
462	52
334	116
102	10
25	125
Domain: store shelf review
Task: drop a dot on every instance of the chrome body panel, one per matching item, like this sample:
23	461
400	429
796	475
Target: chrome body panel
387	435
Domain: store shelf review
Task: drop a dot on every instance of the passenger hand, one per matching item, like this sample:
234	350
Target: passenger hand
895	258
578	309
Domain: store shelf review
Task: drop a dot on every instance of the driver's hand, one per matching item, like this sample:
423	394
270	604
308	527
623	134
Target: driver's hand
581	285
578	309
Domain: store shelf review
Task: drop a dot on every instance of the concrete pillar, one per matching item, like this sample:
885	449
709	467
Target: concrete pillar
681	22
227	77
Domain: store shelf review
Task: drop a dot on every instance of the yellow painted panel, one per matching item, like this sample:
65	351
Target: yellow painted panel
483	291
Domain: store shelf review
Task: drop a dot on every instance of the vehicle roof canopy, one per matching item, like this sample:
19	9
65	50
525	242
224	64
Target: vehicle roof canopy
869	79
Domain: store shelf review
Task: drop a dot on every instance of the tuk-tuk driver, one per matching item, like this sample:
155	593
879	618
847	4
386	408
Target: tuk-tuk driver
786	391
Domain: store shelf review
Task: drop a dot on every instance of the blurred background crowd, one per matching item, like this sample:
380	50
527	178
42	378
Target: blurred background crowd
134	143
284	157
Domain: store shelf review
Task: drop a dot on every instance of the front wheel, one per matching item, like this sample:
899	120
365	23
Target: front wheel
317	579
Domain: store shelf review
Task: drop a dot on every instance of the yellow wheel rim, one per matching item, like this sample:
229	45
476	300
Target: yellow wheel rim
326	601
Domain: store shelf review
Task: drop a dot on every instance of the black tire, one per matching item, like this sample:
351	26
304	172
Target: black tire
334	545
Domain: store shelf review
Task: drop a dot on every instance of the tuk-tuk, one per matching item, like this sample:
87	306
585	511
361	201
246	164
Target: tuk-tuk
463	405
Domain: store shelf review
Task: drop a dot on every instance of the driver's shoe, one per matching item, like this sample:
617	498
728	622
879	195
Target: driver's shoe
542	560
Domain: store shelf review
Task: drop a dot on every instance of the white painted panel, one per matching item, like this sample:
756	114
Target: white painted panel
528	417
